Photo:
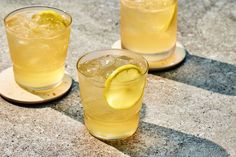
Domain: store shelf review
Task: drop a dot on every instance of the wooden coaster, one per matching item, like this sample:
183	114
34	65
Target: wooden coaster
12	92
176	58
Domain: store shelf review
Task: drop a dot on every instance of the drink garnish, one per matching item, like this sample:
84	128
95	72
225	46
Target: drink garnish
50	18
120	92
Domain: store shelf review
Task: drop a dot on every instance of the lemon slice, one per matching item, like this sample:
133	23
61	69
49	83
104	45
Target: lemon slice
49	17
166	18
173	14
124	87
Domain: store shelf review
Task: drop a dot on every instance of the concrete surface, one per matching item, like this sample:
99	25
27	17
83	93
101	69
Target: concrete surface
189	111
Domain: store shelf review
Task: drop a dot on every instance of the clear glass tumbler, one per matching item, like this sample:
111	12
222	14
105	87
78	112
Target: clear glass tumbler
38	39
111	85
148	27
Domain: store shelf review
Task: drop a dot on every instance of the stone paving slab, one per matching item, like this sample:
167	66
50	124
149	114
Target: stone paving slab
187	111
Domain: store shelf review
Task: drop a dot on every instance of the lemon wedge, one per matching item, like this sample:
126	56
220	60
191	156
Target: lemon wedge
165	18
124	87
169	17
49	17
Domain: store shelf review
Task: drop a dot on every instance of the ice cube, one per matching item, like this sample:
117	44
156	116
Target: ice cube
106	61
106	65
122	60
106	72
15	20
90	68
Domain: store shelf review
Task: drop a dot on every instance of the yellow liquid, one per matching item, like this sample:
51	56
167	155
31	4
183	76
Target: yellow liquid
38	57
100	118
149	26
103	121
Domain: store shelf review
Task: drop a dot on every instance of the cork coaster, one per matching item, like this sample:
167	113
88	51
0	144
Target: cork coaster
176	58
12	92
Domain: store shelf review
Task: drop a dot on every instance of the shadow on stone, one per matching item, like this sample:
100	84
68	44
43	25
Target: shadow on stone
71	105
150	139
204	73
154	140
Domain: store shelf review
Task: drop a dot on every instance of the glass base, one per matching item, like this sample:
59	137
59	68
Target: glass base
160	56
154	57
112	130
12	92
38	80
40	89
174	59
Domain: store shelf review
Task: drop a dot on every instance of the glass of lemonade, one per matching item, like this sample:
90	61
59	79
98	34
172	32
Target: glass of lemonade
149	27
38	39
111	87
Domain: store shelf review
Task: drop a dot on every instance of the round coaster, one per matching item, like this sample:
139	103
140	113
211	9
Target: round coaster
12	92
176	58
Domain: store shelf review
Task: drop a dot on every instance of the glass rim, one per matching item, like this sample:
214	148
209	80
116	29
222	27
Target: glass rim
150	10
35	6
126	51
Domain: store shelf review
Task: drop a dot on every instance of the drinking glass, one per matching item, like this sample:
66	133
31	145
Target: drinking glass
38	38
111	88
148	27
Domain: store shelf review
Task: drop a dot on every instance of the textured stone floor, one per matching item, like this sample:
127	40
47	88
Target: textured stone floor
189	111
